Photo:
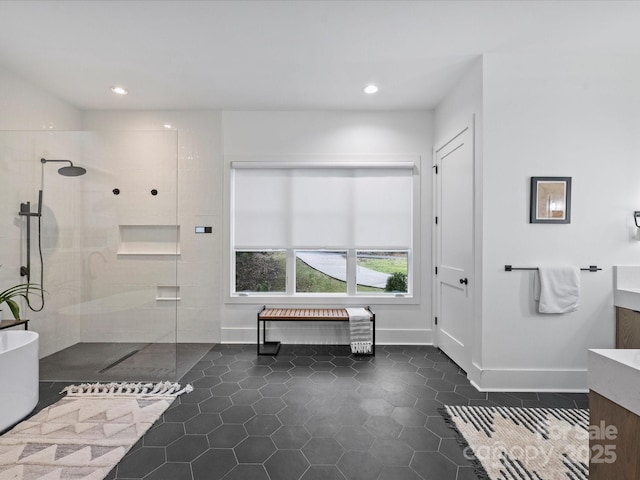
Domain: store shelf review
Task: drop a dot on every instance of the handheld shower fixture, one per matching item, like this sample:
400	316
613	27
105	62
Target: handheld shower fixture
25	211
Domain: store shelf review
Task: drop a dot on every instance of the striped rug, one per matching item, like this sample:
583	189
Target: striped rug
509	443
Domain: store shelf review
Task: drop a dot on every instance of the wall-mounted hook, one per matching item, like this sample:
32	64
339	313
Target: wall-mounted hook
116	191
636	215
154	192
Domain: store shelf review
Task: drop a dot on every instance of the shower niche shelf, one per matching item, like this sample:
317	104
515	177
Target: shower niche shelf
149	240
168	293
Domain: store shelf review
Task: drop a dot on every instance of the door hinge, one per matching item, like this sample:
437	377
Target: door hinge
436	220
436	270
436	320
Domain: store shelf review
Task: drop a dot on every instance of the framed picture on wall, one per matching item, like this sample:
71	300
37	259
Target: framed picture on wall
550	200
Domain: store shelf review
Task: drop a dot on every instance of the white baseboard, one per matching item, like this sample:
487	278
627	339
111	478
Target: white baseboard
514	380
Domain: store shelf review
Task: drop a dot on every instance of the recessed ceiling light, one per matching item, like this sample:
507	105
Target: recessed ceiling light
119	90
370	89
167	126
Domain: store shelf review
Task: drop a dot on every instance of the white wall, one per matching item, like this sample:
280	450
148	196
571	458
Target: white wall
26	107
555	115
331	135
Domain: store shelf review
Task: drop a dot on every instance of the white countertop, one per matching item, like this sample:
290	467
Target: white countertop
615	374
627	299
626	286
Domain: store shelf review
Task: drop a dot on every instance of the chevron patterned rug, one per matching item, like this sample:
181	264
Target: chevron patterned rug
509	443
86	433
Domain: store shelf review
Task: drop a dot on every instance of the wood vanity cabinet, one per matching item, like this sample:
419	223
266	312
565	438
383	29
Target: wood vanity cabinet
627	328
614	414
615	444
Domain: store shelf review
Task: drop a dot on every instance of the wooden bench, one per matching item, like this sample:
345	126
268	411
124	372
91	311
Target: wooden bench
303	314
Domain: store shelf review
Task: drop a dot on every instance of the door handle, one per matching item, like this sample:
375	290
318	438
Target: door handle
464	281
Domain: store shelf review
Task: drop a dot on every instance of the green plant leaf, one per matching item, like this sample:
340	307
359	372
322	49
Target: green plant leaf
22	290
15	309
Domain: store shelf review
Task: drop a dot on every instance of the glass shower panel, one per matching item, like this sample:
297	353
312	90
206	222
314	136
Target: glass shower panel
131	244
110	244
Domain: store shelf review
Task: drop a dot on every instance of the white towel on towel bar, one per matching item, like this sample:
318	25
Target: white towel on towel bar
557	289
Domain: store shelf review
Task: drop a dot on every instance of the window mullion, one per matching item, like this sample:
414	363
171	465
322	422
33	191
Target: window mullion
291	271
351	272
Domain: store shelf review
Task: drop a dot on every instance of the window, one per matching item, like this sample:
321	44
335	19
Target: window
321	271
379	272
332	229
261	271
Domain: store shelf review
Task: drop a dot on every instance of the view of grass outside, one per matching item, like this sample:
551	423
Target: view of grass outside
310	280
261	271
390	262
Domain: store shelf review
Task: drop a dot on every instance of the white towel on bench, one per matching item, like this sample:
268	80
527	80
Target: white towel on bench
360	328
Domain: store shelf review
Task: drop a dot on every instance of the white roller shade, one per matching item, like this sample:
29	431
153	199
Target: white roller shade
322	207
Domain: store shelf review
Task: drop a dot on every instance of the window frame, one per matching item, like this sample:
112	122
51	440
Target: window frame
291	297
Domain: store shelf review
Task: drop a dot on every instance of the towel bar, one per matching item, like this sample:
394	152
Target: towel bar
509	268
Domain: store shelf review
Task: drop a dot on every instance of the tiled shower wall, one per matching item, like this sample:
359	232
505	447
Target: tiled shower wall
131	236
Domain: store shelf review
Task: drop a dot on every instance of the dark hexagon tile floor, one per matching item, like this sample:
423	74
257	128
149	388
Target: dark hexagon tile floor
314	413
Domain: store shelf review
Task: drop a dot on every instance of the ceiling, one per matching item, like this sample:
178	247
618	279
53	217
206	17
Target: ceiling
284	55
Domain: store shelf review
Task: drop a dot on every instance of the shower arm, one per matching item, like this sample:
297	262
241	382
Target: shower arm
44	160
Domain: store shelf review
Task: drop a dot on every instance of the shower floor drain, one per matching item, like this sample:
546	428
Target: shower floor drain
118	361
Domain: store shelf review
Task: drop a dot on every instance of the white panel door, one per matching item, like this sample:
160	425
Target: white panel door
454	247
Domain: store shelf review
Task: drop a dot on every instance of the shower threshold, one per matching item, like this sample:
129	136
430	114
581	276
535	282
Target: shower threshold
117	362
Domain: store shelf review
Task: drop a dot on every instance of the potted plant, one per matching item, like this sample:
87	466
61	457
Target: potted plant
22	290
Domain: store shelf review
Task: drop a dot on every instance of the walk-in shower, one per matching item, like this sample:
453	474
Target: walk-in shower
114	309
25	211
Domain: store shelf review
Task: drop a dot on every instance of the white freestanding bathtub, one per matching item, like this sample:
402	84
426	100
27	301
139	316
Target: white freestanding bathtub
19	375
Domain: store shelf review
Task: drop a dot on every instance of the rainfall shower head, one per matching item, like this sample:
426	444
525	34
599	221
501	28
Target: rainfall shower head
69	171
